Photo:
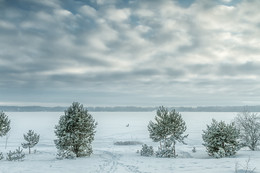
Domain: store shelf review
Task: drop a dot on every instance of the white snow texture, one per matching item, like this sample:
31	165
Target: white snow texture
109	158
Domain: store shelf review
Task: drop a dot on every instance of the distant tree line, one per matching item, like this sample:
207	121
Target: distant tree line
132	109
61	109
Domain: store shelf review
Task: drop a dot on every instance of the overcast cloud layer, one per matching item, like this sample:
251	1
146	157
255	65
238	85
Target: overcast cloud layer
142	53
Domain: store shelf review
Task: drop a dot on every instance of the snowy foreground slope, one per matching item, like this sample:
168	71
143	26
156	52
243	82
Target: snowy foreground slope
107	157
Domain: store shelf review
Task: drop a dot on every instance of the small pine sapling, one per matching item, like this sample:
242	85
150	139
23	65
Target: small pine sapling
168	129
146	150
31	138
16	155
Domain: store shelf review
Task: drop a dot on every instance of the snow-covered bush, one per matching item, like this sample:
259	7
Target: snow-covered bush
127	143
168	130
75	131
221	139
31	138
16	155
249	125
146	150
4	124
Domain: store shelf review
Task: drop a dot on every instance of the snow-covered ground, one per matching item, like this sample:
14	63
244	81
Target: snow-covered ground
107	157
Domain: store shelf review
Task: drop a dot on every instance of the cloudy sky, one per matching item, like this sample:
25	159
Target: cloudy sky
130	52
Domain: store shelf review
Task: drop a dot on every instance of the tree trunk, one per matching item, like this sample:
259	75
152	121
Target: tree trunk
29	150
6	139
174	153
6	142
76	150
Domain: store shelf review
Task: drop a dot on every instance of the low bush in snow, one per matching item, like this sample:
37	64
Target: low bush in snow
221	139
194	150
146	150
66	154
16	155
127	143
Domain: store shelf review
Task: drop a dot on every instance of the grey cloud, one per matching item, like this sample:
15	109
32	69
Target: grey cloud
157	50
175	73
238	69
104	77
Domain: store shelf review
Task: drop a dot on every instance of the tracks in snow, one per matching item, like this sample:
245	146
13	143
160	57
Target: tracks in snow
111	164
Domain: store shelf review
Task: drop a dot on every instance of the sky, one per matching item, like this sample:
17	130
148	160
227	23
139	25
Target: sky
130	52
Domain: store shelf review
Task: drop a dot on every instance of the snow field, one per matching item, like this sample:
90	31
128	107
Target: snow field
107	157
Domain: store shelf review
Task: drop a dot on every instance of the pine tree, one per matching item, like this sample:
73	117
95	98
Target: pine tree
75	132
249	125
221	139
168	130
31	138
4	124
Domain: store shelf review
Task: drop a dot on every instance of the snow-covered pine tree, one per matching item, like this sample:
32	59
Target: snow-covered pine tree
221	139
4	124
31	138
167	129
249	125
75	132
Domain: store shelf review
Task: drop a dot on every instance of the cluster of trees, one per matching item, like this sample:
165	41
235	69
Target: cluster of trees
76	130
31	139
220	139
75	133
